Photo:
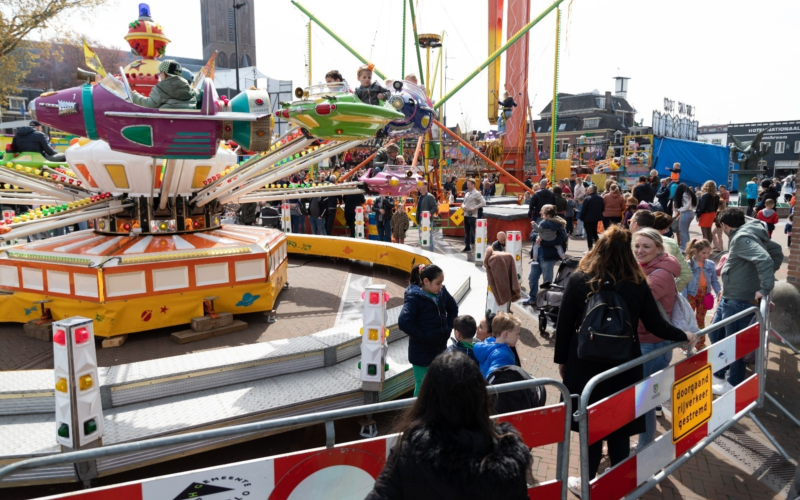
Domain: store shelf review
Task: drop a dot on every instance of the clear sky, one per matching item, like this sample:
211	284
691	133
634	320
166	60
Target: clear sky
735	61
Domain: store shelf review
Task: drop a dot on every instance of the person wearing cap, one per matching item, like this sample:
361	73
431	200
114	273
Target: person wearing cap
172	90
31	139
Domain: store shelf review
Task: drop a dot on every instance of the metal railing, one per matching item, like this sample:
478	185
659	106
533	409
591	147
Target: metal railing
326	417
582	416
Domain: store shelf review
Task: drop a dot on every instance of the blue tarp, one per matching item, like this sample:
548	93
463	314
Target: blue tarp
700	162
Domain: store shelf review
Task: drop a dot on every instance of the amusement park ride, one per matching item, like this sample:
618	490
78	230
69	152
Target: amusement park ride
153	183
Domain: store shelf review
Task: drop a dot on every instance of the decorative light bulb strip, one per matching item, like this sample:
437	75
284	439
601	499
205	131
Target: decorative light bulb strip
64	208
63	177
481	226
160	257
49	258
514	247
360	223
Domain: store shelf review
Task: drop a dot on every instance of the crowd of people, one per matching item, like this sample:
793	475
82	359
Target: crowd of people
643	259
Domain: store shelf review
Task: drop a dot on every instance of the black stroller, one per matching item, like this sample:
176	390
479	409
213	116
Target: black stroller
548	299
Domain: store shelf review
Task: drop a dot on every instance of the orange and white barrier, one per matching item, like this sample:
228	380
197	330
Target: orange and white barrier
695	412
343	471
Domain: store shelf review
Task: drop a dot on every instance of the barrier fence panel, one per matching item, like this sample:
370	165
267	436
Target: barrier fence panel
338	471
697	417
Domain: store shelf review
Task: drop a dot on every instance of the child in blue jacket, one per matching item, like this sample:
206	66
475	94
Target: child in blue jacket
495	352
427	318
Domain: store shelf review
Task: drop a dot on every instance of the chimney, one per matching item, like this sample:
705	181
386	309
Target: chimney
609	104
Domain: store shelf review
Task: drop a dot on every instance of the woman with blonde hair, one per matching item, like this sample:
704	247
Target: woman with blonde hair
707	206
662	269
610	265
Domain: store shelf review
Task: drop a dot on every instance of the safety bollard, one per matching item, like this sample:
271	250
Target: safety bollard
360	223
514	247
481	227
425	236
286	218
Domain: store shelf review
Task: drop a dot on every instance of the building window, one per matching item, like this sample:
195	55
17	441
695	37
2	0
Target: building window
779	147
797	146
230	25
222	60
704	141
764	146
15	103
591	123
540	145
562	127
718	142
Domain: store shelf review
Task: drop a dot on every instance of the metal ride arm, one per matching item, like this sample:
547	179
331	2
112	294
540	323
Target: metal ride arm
287	194
582	416
482	156
287	423
54	224
325	152
498	53
167	182
336	37
270	156
357	167
42	187
221	186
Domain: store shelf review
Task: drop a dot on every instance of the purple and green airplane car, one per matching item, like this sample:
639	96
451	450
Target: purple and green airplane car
106	111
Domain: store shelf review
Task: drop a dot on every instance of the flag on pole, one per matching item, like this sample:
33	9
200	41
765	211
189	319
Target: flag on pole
207	71
92	60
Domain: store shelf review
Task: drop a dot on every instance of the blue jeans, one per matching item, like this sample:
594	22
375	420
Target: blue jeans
469	231
685	221
384	230
317	225
83	225
650	367
726	309
543	269
298	224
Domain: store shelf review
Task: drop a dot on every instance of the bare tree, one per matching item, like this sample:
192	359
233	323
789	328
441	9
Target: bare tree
19	21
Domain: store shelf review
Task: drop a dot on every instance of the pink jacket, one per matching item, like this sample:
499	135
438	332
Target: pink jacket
614	204
662	284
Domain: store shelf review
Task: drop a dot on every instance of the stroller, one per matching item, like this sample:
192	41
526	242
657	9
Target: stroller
548	299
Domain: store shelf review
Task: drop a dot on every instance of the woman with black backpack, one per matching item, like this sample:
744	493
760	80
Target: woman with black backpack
609	283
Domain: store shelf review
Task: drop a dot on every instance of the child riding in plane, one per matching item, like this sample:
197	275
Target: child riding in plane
171	92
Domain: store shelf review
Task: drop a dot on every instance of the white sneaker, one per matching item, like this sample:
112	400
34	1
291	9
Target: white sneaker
574	485
720	389
659	411
717	380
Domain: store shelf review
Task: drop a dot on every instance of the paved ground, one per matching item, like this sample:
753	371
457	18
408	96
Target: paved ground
709	475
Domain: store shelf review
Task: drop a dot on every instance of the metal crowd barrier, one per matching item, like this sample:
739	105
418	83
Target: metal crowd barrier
710	418
537	427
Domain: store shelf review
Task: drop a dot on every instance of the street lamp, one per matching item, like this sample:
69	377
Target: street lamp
236	7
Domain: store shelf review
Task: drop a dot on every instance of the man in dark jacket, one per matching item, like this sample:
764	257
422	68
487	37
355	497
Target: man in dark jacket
591	214
32	140
247	213
384	156
644	191
351	201
769	193
317	208
539	199
383	206
662	195
330	213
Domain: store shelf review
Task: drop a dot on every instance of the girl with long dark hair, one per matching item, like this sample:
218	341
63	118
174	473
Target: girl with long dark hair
449	447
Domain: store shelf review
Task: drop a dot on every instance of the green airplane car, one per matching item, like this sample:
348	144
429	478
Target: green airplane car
331	112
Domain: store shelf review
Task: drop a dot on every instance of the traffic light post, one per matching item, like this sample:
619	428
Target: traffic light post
79	411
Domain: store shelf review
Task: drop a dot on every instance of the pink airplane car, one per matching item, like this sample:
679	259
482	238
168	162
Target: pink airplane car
393	180
106	111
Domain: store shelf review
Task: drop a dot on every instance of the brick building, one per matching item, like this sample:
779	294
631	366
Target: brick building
217	18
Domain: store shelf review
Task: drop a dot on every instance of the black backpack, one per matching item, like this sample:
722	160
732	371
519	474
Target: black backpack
606	334
523	399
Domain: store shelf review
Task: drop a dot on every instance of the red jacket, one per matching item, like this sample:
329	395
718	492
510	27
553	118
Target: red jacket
662	284
771	219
